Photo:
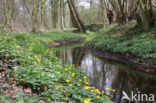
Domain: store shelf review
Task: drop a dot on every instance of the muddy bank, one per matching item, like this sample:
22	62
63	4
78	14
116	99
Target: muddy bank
66	42
144	65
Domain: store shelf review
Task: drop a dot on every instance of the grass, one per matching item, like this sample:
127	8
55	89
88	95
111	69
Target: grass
36	67
59	35
134	41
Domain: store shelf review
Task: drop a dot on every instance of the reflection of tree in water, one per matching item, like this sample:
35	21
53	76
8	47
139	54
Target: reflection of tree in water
129	82
77	56
74	56
65	56
98	73
104	74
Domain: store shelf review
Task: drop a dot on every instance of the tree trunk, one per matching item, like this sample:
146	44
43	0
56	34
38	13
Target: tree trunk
54	11
61	14
42	13
76	17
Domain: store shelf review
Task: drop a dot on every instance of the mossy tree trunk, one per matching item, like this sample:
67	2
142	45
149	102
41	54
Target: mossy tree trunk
54	12
61	14
76	18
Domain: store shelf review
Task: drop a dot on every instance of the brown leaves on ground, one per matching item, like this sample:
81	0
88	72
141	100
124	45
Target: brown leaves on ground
8	87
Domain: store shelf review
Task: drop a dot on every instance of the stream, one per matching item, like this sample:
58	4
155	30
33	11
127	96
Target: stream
109	74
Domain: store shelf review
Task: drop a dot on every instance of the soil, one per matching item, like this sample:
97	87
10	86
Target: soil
66	42
144	65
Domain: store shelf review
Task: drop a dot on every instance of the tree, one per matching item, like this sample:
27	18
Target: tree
103	12
146	15
54	11
42	12
62	14
124	10
8	11
76	17
33	7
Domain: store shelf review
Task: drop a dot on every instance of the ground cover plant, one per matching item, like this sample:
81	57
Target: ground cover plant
34	66
135	41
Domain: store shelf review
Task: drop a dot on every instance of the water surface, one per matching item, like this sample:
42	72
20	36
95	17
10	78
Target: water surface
107	74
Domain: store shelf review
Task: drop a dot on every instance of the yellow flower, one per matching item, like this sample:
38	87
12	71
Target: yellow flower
58	86
93	87
30	58
80	80
107	88
97	90
98	97
86	100
66	69
73	74
49	63
85	77
36	57
103	92
92	90
108	93
70	85
67	81
86	87
78	84
87	83
17	46
38	60
113	90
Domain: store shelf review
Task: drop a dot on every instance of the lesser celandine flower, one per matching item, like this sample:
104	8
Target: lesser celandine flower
38	60
58	86
30	58
78	84
113	90
86	100
84	77
98	97
70	85
86	87
108	93
17	46
73	74
87	83
92	90
107	88
67	81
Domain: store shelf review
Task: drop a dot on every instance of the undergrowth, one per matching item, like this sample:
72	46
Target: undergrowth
134	41
34	66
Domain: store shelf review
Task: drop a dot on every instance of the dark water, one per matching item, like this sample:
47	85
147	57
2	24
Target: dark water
107	74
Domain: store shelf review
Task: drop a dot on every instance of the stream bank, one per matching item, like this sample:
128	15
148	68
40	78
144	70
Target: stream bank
106	74
139	64
128	44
